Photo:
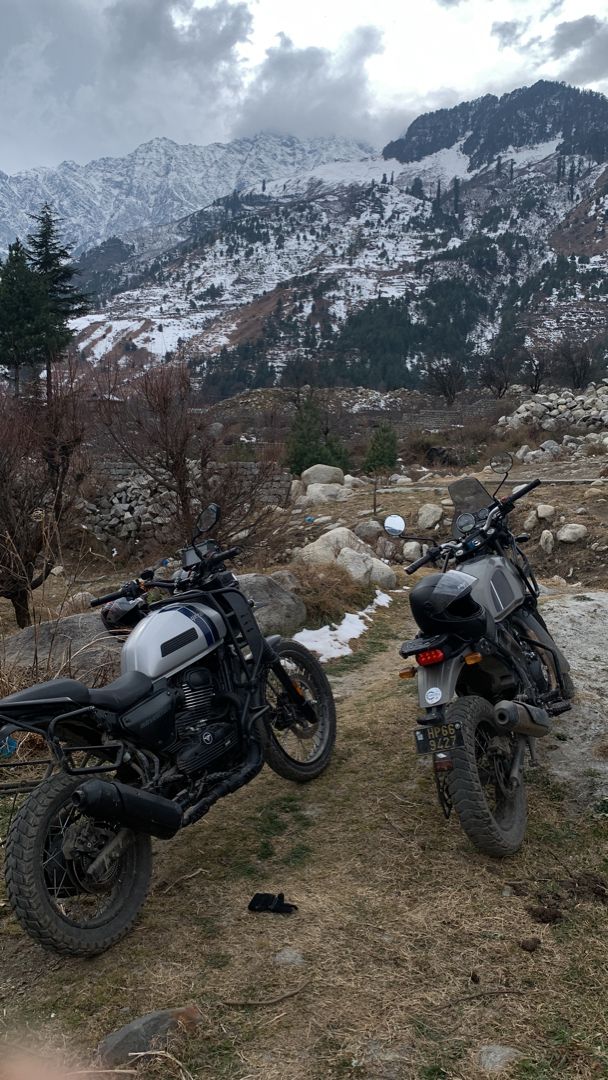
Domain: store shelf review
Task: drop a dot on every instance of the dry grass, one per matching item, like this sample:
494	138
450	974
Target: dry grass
411	941
329	592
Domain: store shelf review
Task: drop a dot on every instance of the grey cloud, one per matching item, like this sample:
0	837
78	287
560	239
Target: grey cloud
591	63
571	35
449	3
313	91
509	33
81	78
552	9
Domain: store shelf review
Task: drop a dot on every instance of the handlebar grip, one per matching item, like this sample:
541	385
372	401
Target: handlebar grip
221	556
525	490
411	569
107	599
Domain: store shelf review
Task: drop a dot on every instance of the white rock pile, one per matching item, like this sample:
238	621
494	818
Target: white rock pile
563	409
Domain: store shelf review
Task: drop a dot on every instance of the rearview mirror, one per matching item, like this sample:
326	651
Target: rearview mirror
394	525
207	519
502	464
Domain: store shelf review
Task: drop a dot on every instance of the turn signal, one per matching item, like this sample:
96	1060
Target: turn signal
430	656
473	658
408	673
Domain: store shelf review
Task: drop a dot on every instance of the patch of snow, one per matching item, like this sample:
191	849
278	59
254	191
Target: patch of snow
332	642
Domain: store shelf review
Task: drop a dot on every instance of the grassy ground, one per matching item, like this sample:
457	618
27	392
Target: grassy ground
410	942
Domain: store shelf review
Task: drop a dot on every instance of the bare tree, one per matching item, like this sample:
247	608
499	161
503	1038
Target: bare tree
445	376
497	373
151	419
578	364
536	367
37	447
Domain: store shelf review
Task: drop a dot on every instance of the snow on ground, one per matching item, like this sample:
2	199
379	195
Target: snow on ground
331	642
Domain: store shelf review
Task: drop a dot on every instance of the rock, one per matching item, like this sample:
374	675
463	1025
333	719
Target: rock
215	430
286	580
531	521
323	520
369	531
521	453
411	551
399	480
322	474
382	575
354	481
325	550
547	541
325	493
296	489
429	515
80	601
288	957
276	610
77	646
386	549
357	565
571	534
545	512
140	1035
550	446
496	1058
58	571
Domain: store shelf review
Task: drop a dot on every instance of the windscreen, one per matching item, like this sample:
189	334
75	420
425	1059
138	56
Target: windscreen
468	495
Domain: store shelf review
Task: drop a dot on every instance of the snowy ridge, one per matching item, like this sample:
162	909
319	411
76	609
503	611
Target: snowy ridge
157	183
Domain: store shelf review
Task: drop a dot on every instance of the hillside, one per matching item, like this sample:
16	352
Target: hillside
356	271
156	184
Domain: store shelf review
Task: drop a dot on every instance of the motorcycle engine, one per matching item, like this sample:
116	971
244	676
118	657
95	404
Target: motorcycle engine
204	729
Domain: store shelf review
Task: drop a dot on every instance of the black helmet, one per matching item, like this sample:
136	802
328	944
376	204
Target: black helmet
122	615
442	604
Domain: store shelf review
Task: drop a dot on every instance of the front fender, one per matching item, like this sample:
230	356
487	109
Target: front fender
437	684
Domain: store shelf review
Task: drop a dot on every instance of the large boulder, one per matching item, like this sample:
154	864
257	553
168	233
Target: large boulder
366	570
429	515
571	534
323	474
78	646
276	610
326	493
369	531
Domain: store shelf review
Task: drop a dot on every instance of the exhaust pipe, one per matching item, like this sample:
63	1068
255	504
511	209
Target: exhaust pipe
514	716
129	807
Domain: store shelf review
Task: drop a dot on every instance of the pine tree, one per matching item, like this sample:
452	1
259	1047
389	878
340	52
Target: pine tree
51	260
499	166
456	195
24	316
381	455
310	443
417	189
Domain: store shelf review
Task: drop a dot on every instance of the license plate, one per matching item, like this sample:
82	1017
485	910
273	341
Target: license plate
436	737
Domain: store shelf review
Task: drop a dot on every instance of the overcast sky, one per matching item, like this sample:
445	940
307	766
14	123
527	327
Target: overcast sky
81	79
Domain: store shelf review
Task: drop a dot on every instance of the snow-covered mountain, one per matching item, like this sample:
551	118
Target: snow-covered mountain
157	183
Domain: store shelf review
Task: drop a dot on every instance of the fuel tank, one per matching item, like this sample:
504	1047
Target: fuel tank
498	587
171	638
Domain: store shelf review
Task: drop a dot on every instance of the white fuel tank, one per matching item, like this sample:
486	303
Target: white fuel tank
171	638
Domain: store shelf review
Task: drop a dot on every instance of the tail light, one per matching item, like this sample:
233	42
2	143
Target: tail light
430	656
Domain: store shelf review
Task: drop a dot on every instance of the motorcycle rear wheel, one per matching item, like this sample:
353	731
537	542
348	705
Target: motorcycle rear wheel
48	848
493	820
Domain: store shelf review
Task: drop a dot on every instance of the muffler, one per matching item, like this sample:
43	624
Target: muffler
514	716
140	811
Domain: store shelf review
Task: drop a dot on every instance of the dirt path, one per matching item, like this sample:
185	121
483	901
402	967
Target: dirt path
405	953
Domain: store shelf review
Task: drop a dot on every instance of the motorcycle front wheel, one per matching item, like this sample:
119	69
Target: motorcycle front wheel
294	747
493	817
48	849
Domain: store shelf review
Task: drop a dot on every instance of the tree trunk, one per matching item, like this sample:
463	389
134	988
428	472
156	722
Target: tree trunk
21	604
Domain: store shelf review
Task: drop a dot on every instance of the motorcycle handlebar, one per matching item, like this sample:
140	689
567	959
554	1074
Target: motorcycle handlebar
107	599
525	490
221	556
429	557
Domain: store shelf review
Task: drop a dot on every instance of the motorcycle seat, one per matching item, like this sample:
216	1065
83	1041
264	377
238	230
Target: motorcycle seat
117	696
120	695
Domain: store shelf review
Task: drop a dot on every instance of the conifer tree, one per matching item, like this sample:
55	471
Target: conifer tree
51	259
24	317
311	443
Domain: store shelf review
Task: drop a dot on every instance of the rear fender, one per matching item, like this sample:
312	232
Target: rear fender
437	684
